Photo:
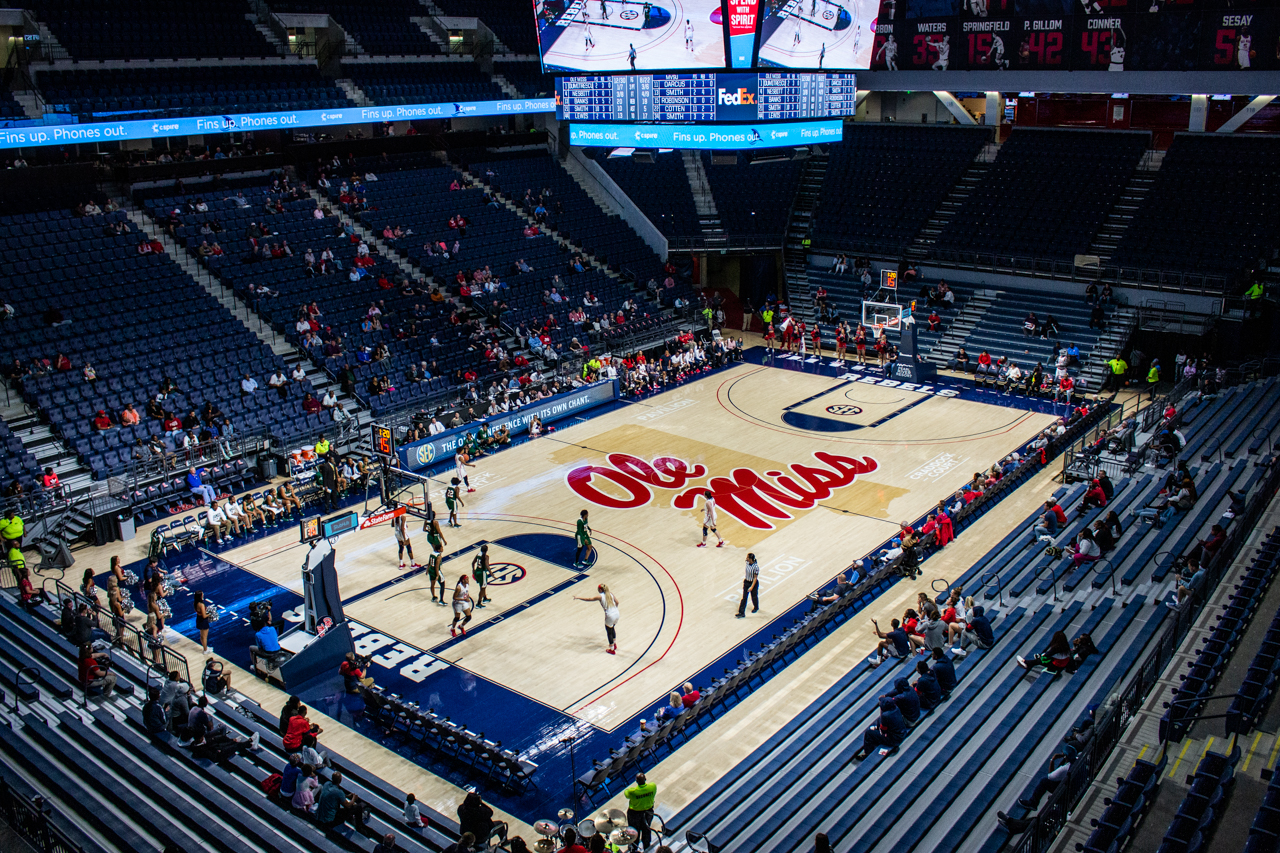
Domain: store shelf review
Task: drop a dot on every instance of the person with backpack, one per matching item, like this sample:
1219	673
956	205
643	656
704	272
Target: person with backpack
216	678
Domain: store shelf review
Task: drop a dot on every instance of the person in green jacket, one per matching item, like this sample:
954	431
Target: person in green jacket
1153	376
640	798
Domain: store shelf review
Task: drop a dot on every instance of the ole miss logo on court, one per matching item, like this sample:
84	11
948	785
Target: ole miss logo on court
754	499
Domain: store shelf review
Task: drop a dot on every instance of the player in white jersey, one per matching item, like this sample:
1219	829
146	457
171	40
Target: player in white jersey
587	41
688	34
796	40
461	462
1091	7
1244	49
943	47
1117	50
709	520
890	51
401	528
996	54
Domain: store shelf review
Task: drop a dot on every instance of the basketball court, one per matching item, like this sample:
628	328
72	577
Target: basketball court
813	467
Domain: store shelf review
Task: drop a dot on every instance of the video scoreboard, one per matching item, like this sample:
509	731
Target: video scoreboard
711	97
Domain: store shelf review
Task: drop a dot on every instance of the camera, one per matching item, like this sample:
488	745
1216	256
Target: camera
259	614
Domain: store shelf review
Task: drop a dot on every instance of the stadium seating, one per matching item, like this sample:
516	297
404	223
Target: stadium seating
800	780
527	77
151	29
1126	808
508	19
10	108
608	238
660	189
883	182
1264	832
114	297
999	329
1009	215
753	198
419	199
1212	210
1202	807
16	462
187	91
1255	693
398	83
344	302
383	29
158	782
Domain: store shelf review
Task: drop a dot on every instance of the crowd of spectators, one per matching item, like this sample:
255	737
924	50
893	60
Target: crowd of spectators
639	375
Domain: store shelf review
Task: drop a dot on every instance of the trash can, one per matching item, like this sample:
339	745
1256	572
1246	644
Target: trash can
125	527
267	467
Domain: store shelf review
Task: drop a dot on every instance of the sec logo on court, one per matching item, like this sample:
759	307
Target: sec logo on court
844	409
505	574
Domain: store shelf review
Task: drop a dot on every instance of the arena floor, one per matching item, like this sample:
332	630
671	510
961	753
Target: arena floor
814	466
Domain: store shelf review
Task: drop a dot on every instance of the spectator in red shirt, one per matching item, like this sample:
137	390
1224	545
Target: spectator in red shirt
1096	497
50	479
157	248
101	421
61	362
310	404
690	696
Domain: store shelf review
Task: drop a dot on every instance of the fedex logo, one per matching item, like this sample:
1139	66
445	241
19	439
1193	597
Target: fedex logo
738	98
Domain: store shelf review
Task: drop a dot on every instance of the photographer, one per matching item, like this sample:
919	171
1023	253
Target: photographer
352	672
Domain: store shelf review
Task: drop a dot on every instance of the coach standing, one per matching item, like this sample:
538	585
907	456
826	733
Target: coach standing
750	587
640	798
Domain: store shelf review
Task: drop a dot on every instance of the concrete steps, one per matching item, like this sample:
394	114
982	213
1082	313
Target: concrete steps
354	92
922	245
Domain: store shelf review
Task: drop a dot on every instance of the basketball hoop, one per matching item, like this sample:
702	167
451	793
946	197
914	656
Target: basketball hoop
884	316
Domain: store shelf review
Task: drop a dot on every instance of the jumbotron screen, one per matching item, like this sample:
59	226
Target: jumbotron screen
1086	35
690	35
818	34
630	35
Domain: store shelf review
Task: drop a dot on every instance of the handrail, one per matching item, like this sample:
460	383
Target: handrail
1266	433
1111	574
28	818
986	576
134	642
17	682
1053	576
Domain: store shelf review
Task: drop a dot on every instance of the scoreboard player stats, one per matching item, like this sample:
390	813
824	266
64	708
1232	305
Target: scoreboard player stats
1091	35
712	98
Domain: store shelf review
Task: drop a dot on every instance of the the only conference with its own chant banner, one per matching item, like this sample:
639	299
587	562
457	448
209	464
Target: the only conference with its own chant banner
429	451
116	131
